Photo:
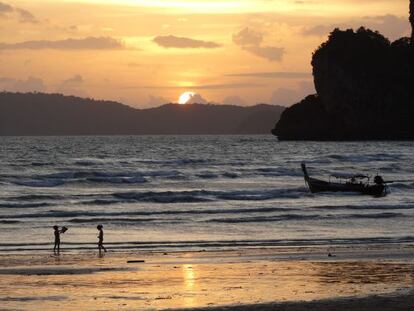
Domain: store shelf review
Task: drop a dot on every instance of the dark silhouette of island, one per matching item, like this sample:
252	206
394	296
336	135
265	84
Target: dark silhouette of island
365	90
54	114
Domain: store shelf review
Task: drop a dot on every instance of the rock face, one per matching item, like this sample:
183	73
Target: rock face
365	90
412	21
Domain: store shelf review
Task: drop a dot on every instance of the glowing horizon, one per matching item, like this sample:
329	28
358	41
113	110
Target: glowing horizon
146	53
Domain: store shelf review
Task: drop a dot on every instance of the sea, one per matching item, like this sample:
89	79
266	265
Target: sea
177	193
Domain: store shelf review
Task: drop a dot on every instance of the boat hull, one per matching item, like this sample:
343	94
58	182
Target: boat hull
316	185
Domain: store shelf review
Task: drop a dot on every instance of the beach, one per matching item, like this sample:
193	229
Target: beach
205	222
360	277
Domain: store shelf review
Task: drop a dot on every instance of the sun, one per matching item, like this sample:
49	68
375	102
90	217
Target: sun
185	97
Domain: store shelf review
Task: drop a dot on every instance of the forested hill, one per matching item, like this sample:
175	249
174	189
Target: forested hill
54	114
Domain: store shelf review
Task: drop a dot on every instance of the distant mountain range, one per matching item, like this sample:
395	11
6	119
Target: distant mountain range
55	114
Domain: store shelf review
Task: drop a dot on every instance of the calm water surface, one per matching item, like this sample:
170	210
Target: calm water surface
196	192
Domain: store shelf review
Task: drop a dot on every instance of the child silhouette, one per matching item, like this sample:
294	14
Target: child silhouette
57	233
100	239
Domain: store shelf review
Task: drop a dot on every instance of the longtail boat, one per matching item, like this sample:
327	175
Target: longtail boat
358	183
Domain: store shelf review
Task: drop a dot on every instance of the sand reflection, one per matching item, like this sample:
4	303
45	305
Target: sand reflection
189	285
189	279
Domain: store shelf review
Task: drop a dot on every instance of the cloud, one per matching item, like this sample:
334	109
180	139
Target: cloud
5	8
26	16
271	53
89	43
199	87
72	86
272	75
251	41
184	43
134	65
226	86
197	99
75	80
234	100
154	101
23	15
318	30
290	96
391	26
248	37
31	84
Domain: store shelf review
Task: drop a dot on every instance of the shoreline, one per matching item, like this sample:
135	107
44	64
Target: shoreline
304	278
380	251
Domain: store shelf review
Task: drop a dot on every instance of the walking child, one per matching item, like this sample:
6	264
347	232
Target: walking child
100	238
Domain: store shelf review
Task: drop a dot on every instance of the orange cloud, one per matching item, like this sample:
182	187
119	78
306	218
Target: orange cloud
184	43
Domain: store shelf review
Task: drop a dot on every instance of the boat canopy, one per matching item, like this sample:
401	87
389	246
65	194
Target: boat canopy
349	176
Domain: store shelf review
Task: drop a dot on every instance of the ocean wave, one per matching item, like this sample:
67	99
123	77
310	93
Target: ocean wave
118	180
100	202
9	222
206	196
164	197
61	178
207	175
35	197
213	244
191	161
177	162
42	163
85	162
264	195
230	175
108	215
364	207
310	161
402	186
115	219
57	179
278	171
23	205
365	157
39	183
298	217
377	216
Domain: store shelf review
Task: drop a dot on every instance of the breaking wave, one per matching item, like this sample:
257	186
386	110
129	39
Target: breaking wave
207	195
297	217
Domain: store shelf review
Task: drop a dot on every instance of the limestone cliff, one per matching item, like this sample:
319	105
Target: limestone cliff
365	90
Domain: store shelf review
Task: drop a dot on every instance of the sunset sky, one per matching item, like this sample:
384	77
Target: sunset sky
148	52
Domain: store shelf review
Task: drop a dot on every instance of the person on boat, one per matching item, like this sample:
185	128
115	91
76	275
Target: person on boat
379	180
100	238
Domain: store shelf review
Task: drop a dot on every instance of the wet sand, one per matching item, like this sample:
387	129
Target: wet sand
355	278
401	302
